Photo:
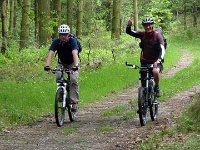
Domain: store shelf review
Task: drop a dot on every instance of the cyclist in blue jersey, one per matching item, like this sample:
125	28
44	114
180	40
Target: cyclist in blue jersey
67	49
152	45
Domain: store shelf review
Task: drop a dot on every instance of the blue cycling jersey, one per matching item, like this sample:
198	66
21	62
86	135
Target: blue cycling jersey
64	50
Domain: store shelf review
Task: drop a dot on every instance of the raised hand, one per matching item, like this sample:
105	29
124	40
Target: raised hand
130	21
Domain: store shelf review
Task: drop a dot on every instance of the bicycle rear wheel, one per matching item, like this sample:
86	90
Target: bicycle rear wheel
72	112
154	108
59	109
142	106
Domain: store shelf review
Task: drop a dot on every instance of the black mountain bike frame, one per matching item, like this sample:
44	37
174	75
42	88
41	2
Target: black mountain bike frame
146	95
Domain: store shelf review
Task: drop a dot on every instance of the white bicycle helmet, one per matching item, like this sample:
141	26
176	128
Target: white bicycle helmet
63	29
147	20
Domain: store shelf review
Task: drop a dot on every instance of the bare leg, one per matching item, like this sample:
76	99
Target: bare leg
156	74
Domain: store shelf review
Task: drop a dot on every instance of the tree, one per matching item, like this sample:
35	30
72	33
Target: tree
79	23
11	19
24	36
15	14
56	16
116	28
160	11
135	15
195	10
36	19
44	18
70	13
4	26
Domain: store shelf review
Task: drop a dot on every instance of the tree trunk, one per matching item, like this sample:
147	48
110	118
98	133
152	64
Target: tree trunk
44	18
56	16
70	13
4	27
36	22
11	19
108	14
79	23
185	17
15	14
24	35
116	20
195	12
177	14
135	15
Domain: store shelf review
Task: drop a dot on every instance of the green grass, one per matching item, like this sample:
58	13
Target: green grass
20	102
68	131
117	110
191	118
105	129
99	83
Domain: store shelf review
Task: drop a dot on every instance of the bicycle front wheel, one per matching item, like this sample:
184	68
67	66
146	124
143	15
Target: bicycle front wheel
59	109
72	112
142	106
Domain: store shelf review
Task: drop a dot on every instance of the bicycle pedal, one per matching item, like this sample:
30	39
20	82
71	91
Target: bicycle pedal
60	100
73	108
156	103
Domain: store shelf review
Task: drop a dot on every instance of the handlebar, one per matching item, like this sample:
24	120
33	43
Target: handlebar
138	67
132	66
66	70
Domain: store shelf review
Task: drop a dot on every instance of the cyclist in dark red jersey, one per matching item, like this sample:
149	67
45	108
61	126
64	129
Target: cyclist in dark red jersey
152	46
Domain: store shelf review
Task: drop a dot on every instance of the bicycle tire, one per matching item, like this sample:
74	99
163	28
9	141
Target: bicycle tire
72	112
154	108
142	106
59	109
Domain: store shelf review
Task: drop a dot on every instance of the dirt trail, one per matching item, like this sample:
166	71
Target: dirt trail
127	133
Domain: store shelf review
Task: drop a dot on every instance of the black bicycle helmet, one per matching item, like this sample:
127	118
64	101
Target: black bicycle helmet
147	20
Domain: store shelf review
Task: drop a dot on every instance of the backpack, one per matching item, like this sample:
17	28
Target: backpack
162	34
78	42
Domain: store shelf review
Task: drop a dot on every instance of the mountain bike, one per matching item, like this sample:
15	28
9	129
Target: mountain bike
62	98
146	96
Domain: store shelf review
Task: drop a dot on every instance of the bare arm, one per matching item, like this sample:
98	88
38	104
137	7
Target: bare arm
75	56
49	58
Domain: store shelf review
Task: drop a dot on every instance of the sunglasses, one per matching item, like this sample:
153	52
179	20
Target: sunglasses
64	34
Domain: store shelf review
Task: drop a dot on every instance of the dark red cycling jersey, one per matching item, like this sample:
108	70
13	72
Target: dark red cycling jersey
150	44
